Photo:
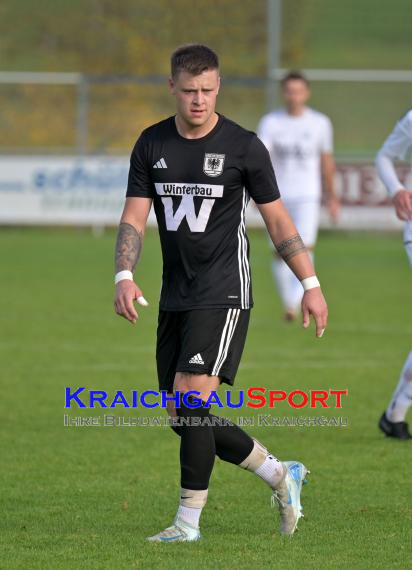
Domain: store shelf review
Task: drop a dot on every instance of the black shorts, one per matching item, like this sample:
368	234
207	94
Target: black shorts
203	341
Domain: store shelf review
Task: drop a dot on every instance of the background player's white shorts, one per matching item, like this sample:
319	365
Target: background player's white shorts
407	239
305	215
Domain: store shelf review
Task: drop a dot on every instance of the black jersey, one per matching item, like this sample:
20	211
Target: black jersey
200	189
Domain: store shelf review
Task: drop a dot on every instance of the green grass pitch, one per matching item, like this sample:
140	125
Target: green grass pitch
87	497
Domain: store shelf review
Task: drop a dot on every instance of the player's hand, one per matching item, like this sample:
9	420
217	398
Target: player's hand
313	303
403	204
126	292
334	208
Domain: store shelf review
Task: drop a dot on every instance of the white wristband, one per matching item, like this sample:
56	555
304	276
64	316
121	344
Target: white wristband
310	283
123	275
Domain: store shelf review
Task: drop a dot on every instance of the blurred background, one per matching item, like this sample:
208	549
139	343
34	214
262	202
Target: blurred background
110	59
82	78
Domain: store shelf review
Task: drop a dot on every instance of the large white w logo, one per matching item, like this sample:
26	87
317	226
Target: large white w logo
186	208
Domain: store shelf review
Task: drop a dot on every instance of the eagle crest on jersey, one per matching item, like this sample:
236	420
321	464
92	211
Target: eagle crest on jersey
213	164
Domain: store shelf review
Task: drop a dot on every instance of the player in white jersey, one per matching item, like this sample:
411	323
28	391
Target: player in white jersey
300	142
397	146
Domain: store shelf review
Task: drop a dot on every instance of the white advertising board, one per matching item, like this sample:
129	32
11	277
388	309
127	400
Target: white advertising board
90	191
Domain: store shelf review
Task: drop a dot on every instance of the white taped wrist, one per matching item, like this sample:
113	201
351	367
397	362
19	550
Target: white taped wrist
310	283
123	275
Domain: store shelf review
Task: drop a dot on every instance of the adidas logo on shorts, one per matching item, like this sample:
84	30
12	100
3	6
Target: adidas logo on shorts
196	359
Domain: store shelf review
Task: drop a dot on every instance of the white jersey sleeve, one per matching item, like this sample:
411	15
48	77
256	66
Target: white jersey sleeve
397	145
326	140
264	132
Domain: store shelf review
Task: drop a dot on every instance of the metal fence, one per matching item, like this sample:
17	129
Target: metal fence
74	113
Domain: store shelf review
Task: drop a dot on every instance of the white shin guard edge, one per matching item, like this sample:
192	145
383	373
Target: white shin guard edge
193	499
256	457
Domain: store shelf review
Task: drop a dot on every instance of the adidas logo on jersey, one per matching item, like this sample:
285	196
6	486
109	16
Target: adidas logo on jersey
160	164
196	359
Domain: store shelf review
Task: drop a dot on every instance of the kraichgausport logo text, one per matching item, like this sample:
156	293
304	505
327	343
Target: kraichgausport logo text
256	397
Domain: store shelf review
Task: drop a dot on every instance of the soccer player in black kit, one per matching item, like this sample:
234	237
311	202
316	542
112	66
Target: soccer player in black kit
199	169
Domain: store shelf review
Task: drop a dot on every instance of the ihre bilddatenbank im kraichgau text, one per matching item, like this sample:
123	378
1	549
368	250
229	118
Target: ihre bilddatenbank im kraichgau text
255	398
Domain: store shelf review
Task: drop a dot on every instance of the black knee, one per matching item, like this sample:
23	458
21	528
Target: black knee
197	445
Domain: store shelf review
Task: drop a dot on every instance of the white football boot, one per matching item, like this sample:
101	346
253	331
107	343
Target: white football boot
180	531
287	496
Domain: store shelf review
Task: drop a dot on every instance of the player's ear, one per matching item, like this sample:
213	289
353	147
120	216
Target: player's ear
218	84
171	85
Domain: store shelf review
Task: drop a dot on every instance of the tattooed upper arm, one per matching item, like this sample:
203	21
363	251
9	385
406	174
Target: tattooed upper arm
291	247
128	247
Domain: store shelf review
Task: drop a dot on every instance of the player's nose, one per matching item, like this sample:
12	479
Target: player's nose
198	98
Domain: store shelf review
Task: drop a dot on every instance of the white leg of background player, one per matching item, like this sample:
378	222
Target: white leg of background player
397	145
289	287
402	398
306	219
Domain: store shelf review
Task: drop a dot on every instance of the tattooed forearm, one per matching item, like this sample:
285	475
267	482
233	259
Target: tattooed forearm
128	247
291	247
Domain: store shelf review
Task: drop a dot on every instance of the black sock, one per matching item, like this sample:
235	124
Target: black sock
197	448
232	443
